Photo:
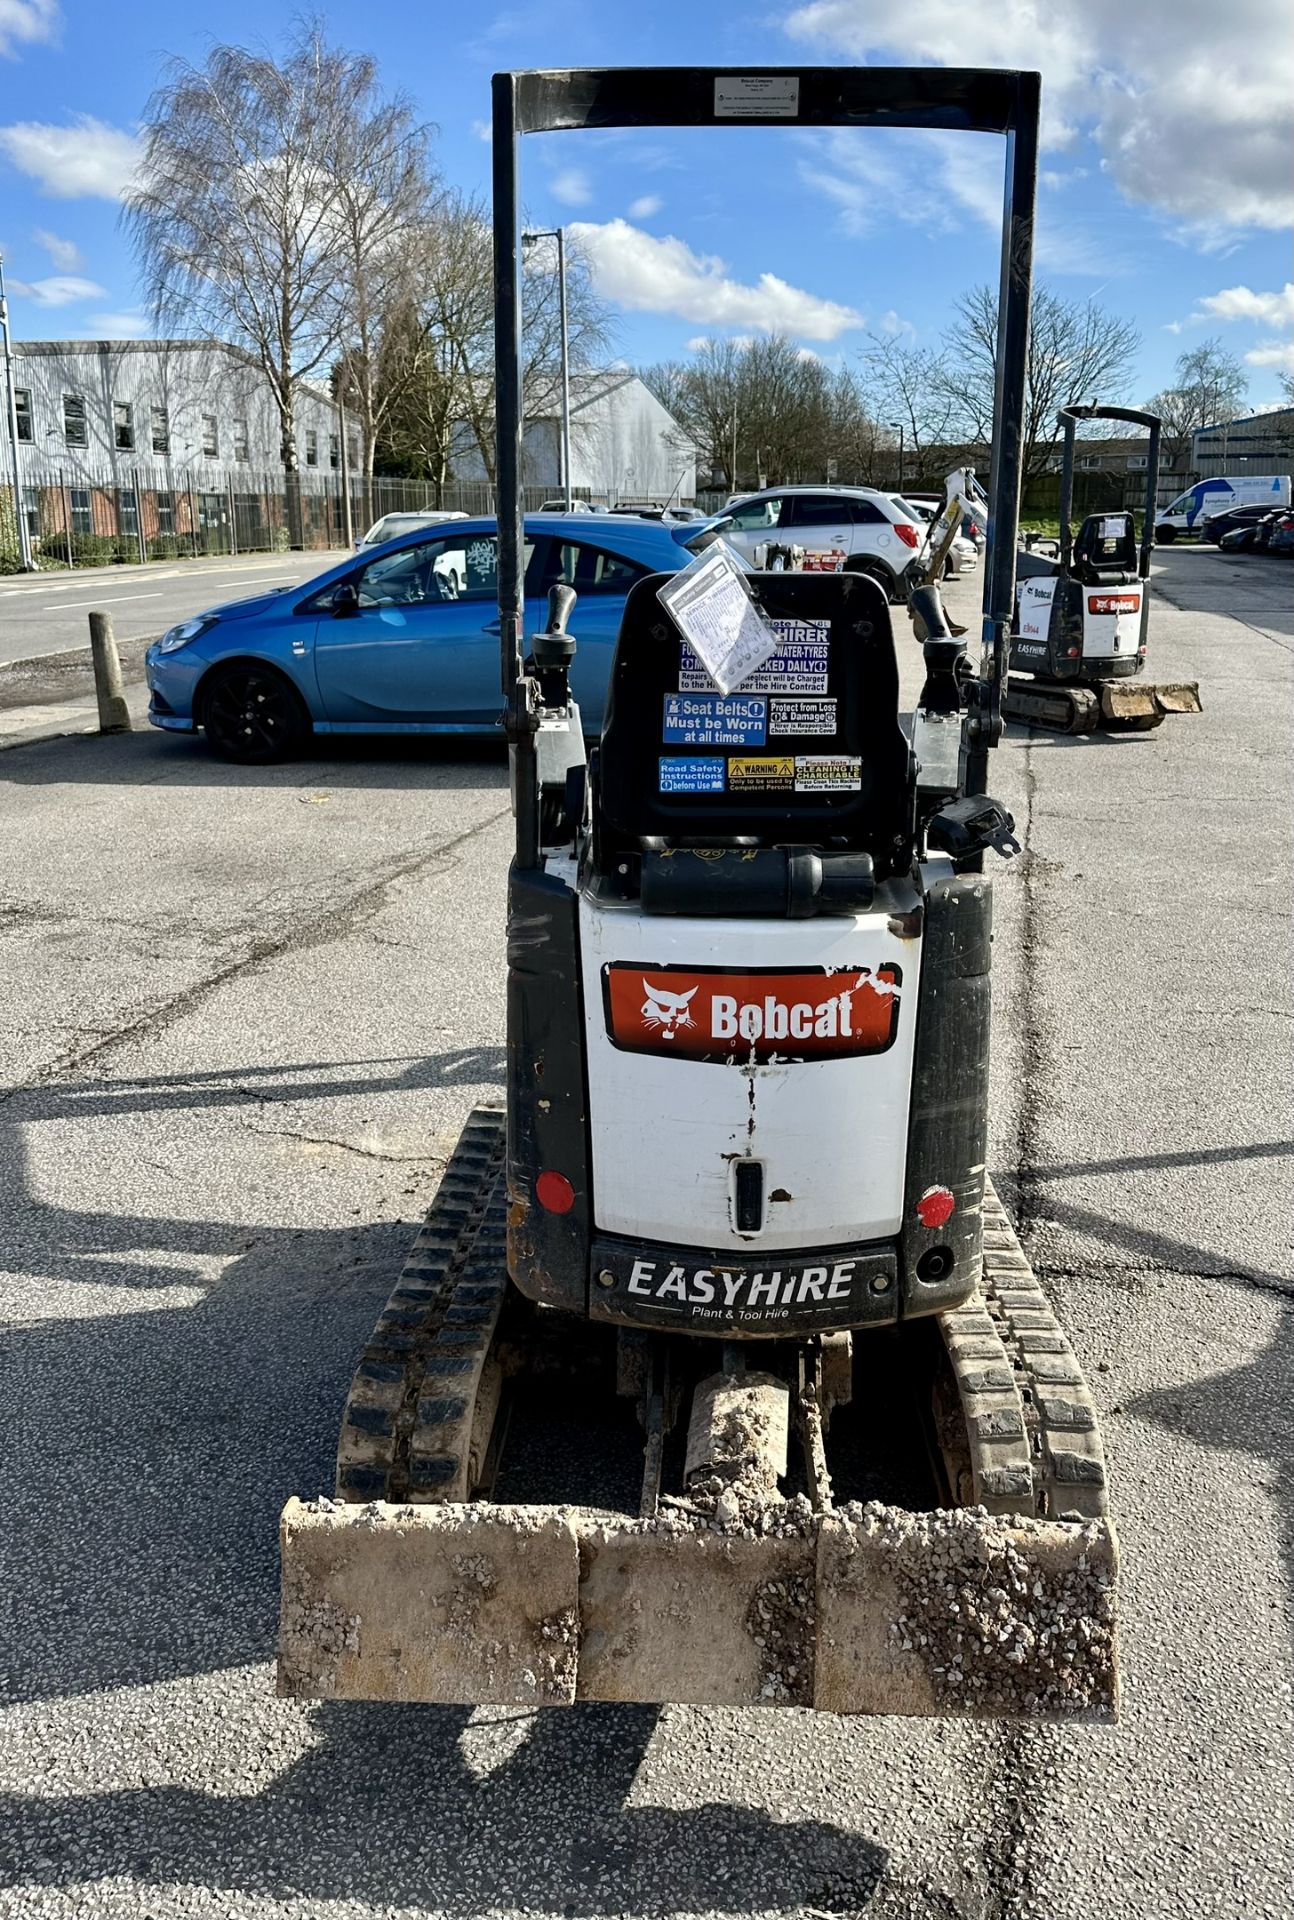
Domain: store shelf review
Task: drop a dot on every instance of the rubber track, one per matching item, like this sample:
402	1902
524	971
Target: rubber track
1060	709
408	1421
1060	1418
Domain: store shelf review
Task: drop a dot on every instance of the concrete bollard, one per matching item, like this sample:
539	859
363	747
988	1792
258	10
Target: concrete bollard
114	715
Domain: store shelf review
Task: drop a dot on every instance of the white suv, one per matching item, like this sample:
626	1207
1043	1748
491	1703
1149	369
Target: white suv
876	535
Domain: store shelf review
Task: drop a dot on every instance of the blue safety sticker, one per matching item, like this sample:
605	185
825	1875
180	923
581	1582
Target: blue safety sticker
680	775
711	720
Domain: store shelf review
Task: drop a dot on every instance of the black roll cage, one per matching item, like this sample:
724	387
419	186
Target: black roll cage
1068	419
970	100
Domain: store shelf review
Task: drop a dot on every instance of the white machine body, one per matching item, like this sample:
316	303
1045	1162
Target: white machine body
803	1063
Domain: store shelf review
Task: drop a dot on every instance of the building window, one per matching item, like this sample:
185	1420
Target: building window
31	510
210	437
165	512
334	452
74	430
352	451
161	428
127	514
312	448
123	426
22	407
241	450
1137	463
82	519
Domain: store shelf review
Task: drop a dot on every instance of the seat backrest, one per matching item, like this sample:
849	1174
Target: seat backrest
1106	548
807	752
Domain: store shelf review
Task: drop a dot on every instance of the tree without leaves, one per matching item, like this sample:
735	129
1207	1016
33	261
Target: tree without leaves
242	218
1077	351
1211	386
379	164
446	334
791	416
912	385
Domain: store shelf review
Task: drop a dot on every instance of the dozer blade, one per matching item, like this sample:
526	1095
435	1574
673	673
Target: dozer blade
866	1609
1179	696
1138	706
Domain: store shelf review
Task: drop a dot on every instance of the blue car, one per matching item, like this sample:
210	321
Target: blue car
401	639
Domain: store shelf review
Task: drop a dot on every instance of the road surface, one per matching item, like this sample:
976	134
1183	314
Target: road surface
47	613
248	1010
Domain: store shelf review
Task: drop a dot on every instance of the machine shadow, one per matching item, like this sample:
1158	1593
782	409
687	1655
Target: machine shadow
144	758
156	1446
386	1810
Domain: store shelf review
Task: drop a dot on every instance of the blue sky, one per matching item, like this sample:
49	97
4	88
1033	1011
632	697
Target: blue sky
1166	193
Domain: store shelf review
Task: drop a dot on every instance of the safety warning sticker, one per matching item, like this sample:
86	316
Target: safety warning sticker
798	664
828	773
711	720
682	775
801	716
765	773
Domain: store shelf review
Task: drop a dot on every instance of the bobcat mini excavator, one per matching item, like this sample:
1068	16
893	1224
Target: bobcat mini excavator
1080	629
717	1373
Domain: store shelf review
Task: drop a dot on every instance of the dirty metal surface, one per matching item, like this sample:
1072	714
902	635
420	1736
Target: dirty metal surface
867	1609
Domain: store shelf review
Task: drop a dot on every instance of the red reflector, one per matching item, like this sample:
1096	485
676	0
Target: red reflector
908	534
935	1207
554	1192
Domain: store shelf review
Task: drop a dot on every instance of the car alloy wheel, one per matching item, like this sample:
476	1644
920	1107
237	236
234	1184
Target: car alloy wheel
251	715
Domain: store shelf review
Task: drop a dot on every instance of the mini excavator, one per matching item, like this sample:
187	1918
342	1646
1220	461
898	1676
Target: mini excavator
717	1373
1078	644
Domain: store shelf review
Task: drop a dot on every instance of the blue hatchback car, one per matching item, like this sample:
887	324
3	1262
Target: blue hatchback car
403	639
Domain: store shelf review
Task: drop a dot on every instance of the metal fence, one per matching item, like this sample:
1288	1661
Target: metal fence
95	520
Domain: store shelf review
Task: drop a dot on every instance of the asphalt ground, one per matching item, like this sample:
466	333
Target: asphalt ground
47	614
247	1013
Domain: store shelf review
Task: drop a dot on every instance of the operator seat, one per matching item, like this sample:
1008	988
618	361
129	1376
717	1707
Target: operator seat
806	755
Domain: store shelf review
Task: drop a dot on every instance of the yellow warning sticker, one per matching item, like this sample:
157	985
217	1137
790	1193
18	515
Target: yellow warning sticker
766	773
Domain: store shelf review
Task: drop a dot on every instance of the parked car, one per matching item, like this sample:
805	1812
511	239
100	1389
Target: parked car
577	506
1266	535
384	644
392	525
876	536
1218	524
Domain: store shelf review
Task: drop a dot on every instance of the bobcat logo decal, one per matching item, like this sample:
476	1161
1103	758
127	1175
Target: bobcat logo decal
668	1011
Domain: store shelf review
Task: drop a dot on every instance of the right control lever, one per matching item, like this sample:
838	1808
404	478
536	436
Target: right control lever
971	825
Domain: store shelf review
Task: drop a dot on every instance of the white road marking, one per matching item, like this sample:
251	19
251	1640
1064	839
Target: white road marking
105	600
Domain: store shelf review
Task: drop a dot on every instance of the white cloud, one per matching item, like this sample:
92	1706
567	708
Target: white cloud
87	158
647	275
894	323
1193	121
483	129
645	207
65	254
1271	311
117	326
23	22
571	187
937	180
1242	303
59	290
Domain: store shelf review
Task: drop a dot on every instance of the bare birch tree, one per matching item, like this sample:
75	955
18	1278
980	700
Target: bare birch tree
267	210
1077	351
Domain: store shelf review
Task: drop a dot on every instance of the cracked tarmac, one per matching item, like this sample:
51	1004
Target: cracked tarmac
239	1000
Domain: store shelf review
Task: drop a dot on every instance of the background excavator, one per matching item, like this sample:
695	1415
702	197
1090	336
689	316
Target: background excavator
717	1373
1078	646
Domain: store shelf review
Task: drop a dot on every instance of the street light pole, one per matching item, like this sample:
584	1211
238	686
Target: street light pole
528	239
898	424
11	411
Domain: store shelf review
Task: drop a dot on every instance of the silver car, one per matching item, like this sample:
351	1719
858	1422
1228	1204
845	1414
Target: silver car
875	535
